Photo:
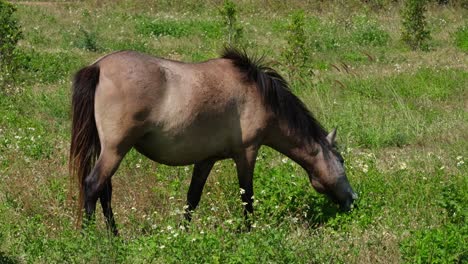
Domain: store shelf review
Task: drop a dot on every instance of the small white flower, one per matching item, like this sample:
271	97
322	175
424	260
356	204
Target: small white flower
403	166
442	168
169	227
162	246
284	160
461	162
365	168
459	157
242	191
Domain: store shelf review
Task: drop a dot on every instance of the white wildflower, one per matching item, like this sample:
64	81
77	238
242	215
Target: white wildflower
403	166
365	168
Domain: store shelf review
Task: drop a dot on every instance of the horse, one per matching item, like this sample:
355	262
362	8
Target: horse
179	113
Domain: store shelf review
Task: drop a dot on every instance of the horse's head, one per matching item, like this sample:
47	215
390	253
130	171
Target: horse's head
328	175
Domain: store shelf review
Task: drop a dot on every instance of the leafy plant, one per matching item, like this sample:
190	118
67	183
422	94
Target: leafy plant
10	34
234	31
296	53
415	32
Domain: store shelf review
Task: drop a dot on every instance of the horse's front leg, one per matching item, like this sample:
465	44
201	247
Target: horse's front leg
200	173
245	164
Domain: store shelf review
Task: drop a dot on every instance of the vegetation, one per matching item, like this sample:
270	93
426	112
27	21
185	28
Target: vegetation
234	31
415	32
10	34
401	116
296	53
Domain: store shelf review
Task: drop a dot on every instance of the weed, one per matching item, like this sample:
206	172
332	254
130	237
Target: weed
415	32
296	53
234	31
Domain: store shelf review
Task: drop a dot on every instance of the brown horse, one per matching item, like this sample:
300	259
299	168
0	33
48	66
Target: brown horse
179	113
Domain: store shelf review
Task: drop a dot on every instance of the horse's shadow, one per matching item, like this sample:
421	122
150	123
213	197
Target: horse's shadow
320	212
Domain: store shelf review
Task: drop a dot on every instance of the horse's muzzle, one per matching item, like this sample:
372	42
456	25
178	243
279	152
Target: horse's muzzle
347	204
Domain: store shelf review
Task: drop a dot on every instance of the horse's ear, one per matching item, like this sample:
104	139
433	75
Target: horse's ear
331	137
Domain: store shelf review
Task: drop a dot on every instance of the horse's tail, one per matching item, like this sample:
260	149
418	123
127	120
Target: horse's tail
85	146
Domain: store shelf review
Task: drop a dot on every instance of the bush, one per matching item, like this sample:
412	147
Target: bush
415	32
295	53
10	34
234	31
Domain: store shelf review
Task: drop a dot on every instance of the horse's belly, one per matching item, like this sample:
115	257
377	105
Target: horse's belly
182	149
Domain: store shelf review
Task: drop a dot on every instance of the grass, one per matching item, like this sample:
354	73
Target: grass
401	118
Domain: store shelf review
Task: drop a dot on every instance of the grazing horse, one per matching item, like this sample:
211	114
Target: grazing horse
178	113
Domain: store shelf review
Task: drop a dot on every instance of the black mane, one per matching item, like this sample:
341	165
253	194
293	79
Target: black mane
278	96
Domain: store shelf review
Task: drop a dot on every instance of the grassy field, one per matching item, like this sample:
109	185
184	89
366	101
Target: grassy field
402	127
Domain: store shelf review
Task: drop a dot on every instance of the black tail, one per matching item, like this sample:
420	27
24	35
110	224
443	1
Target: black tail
85	146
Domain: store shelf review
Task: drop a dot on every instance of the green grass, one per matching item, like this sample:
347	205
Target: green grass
401	118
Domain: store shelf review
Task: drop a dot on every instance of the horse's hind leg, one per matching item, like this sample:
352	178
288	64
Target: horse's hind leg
105	198
97	184
200	173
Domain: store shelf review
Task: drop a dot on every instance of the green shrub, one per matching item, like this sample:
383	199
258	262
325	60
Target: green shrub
234	31
10	34
295	53
461	38
415	32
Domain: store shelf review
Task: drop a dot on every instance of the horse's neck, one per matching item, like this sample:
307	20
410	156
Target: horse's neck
299	150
